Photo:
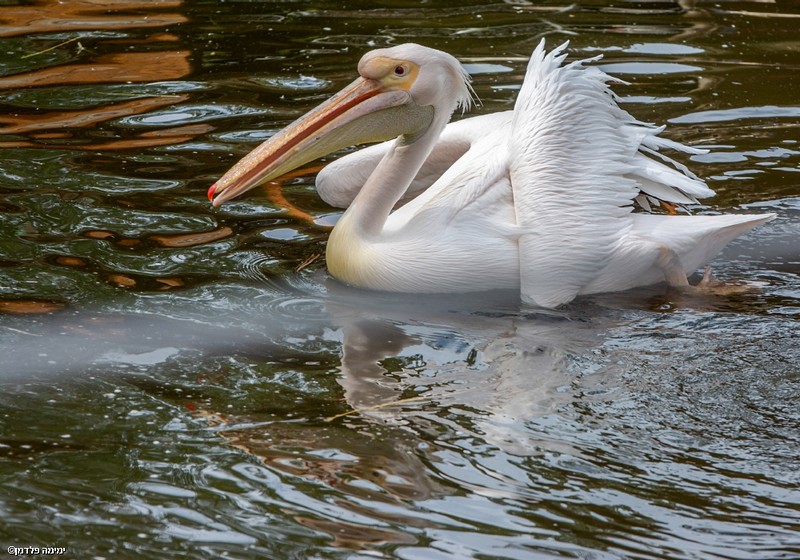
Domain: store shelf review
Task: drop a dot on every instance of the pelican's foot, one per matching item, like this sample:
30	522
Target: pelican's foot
711	285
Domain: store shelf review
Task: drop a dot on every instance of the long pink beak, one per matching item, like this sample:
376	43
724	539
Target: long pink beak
335	124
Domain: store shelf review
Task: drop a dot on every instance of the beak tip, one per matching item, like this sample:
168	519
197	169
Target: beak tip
211	191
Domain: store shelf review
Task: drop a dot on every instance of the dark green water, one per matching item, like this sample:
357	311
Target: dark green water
177	381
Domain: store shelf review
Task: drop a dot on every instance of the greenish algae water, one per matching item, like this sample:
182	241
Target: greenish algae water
178	381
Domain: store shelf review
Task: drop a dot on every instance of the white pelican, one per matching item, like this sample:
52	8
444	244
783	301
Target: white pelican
539	198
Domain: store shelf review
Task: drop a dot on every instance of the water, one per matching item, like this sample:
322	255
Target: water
180	381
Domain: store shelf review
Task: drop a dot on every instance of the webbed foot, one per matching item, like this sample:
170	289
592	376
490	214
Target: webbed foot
711	285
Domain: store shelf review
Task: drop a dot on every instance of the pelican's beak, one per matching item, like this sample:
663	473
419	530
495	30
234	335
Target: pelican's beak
364	111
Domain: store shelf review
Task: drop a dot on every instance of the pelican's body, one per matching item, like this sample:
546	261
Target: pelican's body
442	240
539	198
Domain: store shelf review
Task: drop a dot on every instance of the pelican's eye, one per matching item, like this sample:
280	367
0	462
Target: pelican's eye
400	70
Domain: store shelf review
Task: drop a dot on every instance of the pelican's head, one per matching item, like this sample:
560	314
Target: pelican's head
431	78
403	91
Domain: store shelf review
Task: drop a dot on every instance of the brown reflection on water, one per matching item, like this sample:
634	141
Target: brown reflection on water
48	16
113	68
356	537
151	64
192	239
391	466
17	123
163	137
376	470
29	306
110	68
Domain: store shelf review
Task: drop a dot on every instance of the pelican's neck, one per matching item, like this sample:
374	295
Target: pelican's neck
369	211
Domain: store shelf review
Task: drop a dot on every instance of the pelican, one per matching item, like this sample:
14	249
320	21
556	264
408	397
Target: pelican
538	199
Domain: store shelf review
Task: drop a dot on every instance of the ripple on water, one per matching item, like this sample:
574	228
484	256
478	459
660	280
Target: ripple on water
293	307
187	113
292	83
737	114
170	386
82	96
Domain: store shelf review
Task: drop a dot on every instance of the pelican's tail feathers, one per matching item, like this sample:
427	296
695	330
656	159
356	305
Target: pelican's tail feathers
696	240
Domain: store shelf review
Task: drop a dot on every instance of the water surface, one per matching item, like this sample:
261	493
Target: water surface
177	380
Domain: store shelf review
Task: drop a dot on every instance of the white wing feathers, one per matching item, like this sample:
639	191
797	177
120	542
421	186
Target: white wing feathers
341	180
570	197
577	164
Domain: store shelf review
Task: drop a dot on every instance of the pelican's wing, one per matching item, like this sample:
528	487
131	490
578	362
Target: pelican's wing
340	181
474	186
577	162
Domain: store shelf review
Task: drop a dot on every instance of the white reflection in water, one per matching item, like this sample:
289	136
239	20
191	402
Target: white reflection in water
508	365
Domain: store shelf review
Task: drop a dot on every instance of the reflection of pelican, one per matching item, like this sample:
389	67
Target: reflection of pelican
539	198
